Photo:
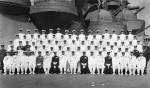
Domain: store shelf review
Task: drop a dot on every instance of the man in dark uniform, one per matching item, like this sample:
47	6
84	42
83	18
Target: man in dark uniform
12	51
84	63
28	52
136	52
39	63
27	46
20	47
55	64
2	55
108	63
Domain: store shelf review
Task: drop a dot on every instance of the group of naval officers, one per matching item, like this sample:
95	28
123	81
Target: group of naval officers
71	53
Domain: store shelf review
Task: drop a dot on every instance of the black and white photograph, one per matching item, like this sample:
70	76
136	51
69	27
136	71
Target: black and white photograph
74	43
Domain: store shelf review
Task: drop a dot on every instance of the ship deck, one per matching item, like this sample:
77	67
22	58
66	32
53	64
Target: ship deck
74	81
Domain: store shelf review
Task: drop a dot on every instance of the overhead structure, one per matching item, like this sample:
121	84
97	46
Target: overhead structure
14	7
114	15
53	14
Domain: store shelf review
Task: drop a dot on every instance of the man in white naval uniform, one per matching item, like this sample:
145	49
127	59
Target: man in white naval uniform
59	52
114	36
66	36
9	46
69	41
81	35
43	35
65	46
68	54
63	63
131	36
123	63
122	47
88	51
74	36
116	63
83	46
108	47
47	62
50	35
78	42
28	35
100	63
98	36
92	63
141	64
32	63
43	50
134	41
7	61
16	63
79	54
130	47
58	34
126	41
122	36
132	64
56	48
21	34
73	63
104	52
106	35
73	46
115	47
111	40
95	41
100	45
16	42
139	46
90	36
118	41
35	35
32	39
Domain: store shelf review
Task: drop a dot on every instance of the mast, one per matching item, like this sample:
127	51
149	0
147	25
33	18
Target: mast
99	3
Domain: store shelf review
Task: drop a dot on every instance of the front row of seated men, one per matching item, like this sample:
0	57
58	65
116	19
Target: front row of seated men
52	63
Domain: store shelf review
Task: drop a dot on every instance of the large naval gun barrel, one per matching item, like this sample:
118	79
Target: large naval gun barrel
139	10
47	14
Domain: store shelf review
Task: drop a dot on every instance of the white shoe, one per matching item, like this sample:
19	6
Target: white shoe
25	73
64	72
17	73
33	73
74	73
4	74
12	73
9	73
